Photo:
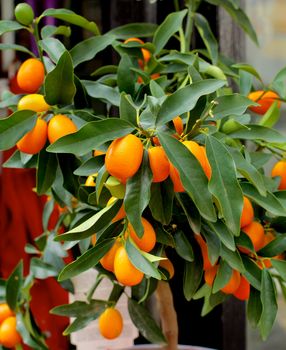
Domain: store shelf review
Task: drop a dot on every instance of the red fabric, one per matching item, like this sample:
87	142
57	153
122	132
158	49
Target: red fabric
20	222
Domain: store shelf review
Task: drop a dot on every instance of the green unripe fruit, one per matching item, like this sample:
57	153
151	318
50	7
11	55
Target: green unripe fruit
231	126
24	14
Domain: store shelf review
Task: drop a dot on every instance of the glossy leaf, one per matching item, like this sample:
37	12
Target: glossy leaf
183	246
59	83
137	195
47	165
71	17
171	25
252	272
145	323
193	274
258	132
53	47
125	77
102	92
15	161
133	30
161	201
50	30
269	304
185	99
42	270
94	224
232	258
231	104
127	109
91	166
223	234
87	49
140	261
79	308
207	36
10	26
271	117
16	48
222	277
14	285
13	128
247	68
224	185
280	266
156	89
275	247
92	135
269	202
254	307
190	210
89	259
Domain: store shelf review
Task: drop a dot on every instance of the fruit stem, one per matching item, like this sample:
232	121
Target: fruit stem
37	39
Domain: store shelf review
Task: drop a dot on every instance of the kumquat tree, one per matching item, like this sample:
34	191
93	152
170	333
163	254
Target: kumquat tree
164	151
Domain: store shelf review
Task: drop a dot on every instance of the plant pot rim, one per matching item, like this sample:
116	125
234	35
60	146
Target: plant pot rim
158	347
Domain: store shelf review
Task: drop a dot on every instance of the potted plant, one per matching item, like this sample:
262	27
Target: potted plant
155	153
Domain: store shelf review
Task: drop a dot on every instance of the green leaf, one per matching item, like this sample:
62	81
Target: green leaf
269	202
247	170
91	136
108	69
71	17
86	261
245	82
224	185
9	100
16	161
247	68
47	165
138	260
80	308
13	128
94	224
238	15
280	266
102	92
214	245
53	47
191	173
156	89
252	272
145	323
254	307
100	180
231	104
207	36
125	76
271	117
9	26
42	270
223	275
16	48
90	167
258	132
137	195
14	285
275	247
190	210
127	110
171	25
161	201
269	304
223	234
183	246
185	99
59	83
50	30
244	241
232	258
133	30
193	274
87	49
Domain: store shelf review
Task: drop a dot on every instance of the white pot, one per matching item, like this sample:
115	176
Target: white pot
157	347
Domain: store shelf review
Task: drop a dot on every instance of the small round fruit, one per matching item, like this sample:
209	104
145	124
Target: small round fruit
247	214
33	102
148	240
35	139
255	232
264	99
279	169
107	261
168	266
178	124
31	75
125	272
233	283
159	163
200	153
110	323
9	337
5	312
243	291
175	177
210	274
60	125
124	157
207	167
24	13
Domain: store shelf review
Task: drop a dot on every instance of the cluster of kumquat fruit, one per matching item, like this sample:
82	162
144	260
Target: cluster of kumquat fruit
30	78
9	336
